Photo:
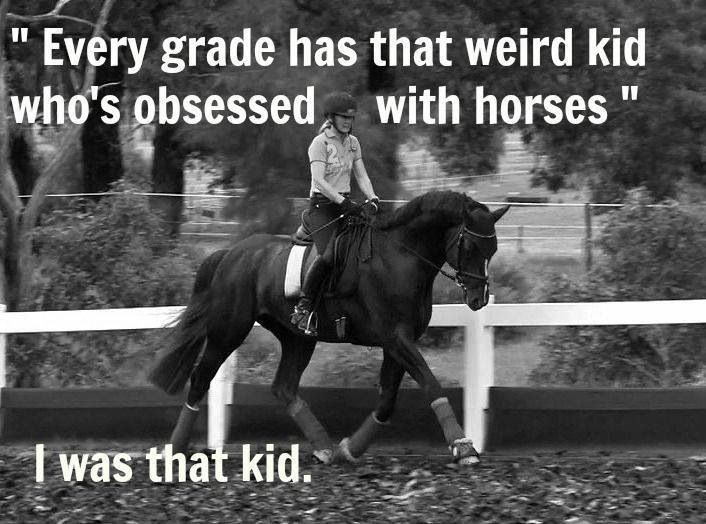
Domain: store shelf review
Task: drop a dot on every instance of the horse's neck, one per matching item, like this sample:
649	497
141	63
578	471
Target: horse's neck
428	234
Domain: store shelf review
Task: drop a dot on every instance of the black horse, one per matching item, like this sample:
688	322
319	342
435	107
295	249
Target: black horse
390	307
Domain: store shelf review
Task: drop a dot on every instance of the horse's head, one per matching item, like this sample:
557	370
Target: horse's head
470	247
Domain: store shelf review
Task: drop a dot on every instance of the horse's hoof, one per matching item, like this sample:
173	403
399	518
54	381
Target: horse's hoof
469	461
325	456
343	452
463	452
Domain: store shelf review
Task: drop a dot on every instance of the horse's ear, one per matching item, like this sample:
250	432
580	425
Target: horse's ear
498	213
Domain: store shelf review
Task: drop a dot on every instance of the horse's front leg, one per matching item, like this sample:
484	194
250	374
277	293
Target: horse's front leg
406	353
391	373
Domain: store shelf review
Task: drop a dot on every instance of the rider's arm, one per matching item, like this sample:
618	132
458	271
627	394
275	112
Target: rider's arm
361	176
317	164
318	170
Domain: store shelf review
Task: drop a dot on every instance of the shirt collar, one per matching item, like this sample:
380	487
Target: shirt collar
331	133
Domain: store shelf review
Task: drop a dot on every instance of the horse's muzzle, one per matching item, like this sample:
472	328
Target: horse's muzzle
476	299
476	303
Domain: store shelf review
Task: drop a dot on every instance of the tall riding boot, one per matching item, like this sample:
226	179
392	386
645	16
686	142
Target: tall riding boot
312	283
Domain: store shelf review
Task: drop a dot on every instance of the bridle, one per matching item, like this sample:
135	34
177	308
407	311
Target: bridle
460	274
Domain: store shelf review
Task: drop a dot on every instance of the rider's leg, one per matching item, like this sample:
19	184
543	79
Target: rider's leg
313	281
320	221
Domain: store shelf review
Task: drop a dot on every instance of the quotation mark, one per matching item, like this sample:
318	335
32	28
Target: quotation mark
629	92
19	34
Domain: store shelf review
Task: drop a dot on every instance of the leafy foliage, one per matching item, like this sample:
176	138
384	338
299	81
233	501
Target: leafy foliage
654	141
649	253
109	254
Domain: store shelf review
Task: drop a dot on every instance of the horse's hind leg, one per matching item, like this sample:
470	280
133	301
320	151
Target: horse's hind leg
296	354
216	352
391	373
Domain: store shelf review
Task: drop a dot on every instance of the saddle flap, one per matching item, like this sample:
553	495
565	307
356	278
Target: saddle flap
352	246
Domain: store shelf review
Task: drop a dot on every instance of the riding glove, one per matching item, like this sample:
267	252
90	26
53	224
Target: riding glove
350	207
372	205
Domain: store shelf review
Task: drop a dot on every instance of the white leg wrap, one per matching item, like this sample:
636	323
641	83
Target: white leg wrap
449	424
438	402
325	456
345	450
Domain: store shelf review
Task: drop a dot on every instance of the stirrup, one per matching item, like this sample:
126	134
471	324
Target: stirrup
305	321
312	324
308	324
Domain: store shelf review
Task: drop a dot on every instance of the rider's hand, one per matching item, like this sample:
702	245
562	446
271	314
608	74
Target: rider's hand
371	206
350	207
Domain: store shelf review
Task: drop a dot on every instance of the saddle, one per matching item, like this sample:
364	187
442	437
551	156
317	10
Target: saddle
352	245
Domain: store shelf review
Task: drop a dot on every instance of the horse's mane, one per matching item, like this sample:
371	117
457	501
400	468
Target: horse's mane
448	203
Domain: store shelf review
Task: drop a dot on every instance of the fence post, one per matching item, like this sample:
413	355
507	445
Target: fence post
588	241
3	353
480	375
520	235
220	398
3	373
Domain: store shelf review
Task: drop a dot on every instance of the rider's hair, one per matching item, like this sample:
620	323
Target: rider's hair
326	124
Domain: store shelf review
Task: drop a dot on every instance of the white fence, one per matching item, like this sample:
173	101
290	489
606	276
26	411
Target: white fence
478	340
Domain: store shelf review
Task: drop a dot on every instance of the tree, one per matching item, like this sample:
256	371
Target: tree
654	141
20	218
97	156
100	142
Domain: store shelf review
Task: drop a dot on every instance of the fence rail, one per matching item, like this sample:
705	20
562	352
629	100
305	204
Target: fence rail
478	340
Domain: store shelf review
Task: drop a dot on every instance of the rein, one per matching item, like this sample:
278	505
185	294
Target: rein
327	224
459	241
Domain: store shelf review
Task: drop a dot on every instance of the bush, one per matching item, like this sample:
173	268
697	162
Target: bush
648	253
107	254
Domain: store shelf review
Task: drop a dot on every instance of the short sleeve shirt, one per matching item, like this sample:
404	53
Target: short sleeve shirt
338	156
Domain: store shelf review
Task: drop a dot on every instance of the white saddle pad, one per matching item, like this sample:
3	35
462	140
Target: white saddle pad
293	276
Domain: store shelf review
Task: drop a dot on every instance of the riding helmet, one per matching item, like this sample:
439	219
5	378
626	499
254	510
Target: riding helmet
340	103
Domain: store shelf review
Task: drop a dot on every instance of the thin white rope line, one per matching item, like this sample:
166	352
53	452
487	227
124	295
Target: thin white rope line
522	172
508	226
500	238
540	226
206	195
216	222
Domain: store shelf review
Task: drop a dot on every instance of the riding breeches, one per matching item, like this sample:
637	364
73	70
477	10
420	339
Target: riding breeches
322	212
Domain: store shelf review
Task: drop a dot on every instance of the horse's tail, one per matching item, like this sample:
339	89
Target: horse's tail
183	346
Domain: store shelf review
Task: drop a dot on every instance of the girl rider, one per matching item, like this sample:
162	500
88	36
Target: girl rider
333	155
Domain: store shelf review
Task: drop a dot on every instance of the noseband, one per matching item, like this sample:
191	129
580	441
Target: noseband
460	274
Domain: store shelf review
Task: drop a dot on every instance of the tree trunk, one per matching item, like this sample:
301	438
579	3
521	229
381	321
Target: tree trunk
23	158
168	176
102	154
